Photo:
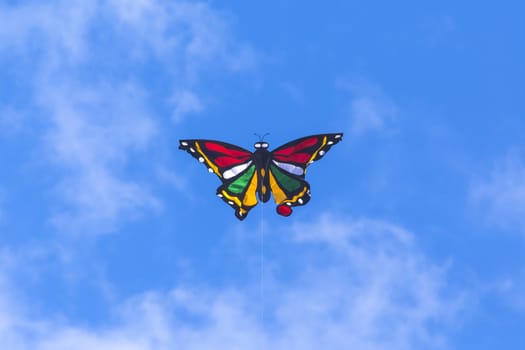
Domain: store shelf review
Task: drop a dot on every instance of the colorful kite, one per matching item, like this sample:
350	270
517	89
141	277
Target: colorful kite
245	174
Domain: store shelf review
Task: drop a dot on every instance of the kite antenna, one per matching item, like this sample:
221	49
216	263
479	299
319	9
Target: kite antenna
261	138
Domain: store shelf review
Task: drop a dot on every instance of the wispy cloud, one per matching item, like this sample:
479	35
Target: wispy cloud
60	26
370	109
438	29
294	91
2	205
509	289
91	68
370	289
382	287
499	196
186	102
200	35
11	121
95	132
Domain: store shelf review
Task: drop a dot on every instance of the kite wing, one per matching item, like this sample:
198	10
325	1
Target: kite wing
235	168
288	165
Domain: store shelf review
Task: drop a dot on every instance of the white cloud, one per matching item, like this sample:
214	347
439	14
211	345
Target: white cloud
500	195
172	179
382	287
370	109
370	288
200	35
508	288
438	30
88	60
370	113
2	201
186	102
294	91
95	131
11	121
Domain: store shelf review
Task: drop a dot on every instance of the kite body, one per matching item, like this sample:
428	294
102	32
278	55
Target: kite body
247	175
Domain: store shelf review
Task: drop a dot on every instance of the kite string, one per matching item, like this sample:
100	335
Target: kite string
262	263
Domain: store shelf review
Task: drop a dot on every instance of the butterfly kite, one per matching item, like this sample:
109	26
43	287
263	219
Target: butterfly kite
245	174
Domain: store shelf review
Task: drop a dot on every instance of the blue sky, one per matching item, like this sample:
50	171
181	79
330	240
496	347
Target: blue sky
111	238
